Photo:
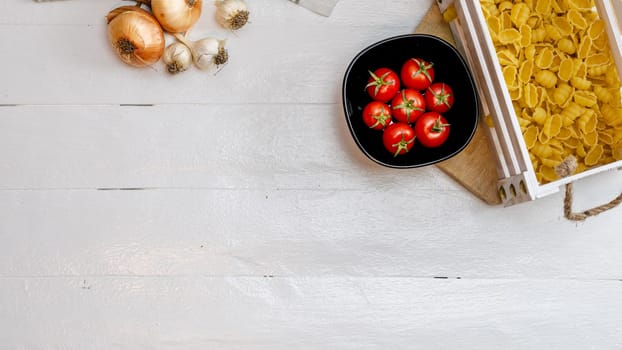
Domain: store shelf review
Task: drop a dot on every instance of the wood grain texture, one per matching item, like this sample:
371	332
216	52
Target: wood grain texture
475	167
231	216
295	233
228	313
190	146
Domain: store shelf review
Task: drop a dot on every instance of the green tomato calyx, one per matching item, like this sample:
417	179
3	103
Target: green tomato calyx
439	126
408	106
381	119
423	68
402	145
378	81
442	97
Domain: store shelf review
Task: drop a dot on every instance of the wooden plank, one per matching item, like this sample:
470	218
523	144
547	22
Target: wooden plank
376	232
224	313
190	146
198	146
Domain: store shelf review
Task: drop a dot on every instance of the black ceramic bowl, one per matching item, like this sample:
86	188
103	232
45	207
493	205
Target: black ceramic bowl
449	67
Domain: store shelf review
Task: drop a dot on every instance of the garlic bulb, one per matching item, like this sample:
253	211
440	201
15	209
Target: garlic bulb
232	14
207	53
177	58
177	16
135	35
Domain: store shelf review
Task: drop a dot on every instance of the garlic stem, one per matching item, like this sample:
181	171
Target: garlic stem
182	38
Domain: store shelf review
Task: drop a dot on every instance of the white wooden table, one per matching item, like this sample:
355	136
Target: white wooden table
140	210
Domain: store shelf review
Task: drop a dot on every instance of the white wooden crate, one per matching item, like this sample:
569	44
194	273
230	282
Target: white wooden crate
517	177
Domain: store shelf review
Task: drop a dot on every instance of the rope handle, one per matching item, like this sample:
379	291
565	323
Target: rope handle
567	168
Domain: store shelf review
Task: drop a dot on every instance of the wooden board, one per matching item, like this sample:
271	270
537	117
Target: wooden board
475	167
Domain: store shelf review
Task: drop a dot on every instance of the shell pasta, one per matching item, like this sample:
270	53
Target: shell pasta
561	77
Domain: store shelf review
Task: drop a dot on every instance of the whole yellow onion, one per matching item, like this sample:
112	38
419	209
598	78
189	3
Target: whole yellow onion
177	16
135	35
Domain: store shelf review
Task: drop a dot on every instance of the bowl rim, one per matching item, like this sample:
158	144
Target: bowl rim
349	112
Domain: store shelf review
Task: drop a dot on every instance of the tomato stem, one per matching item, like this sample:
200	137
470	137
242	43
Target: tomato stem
402	145
378	81
381	119
408	106
439	126
442	97
423	68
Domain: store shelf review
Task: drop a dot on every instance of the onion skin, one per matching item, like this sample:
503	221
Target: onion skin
135	35
177	16
119	10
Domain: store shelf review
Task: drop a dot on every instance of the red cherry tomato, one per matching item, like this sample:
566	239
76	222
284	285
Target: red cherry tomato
383	84
377	115
407	106
432	129
439	97
417	74
398	138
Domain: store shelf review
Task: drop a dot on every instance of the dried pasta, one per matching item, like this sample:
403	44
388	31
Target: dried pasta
560	74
